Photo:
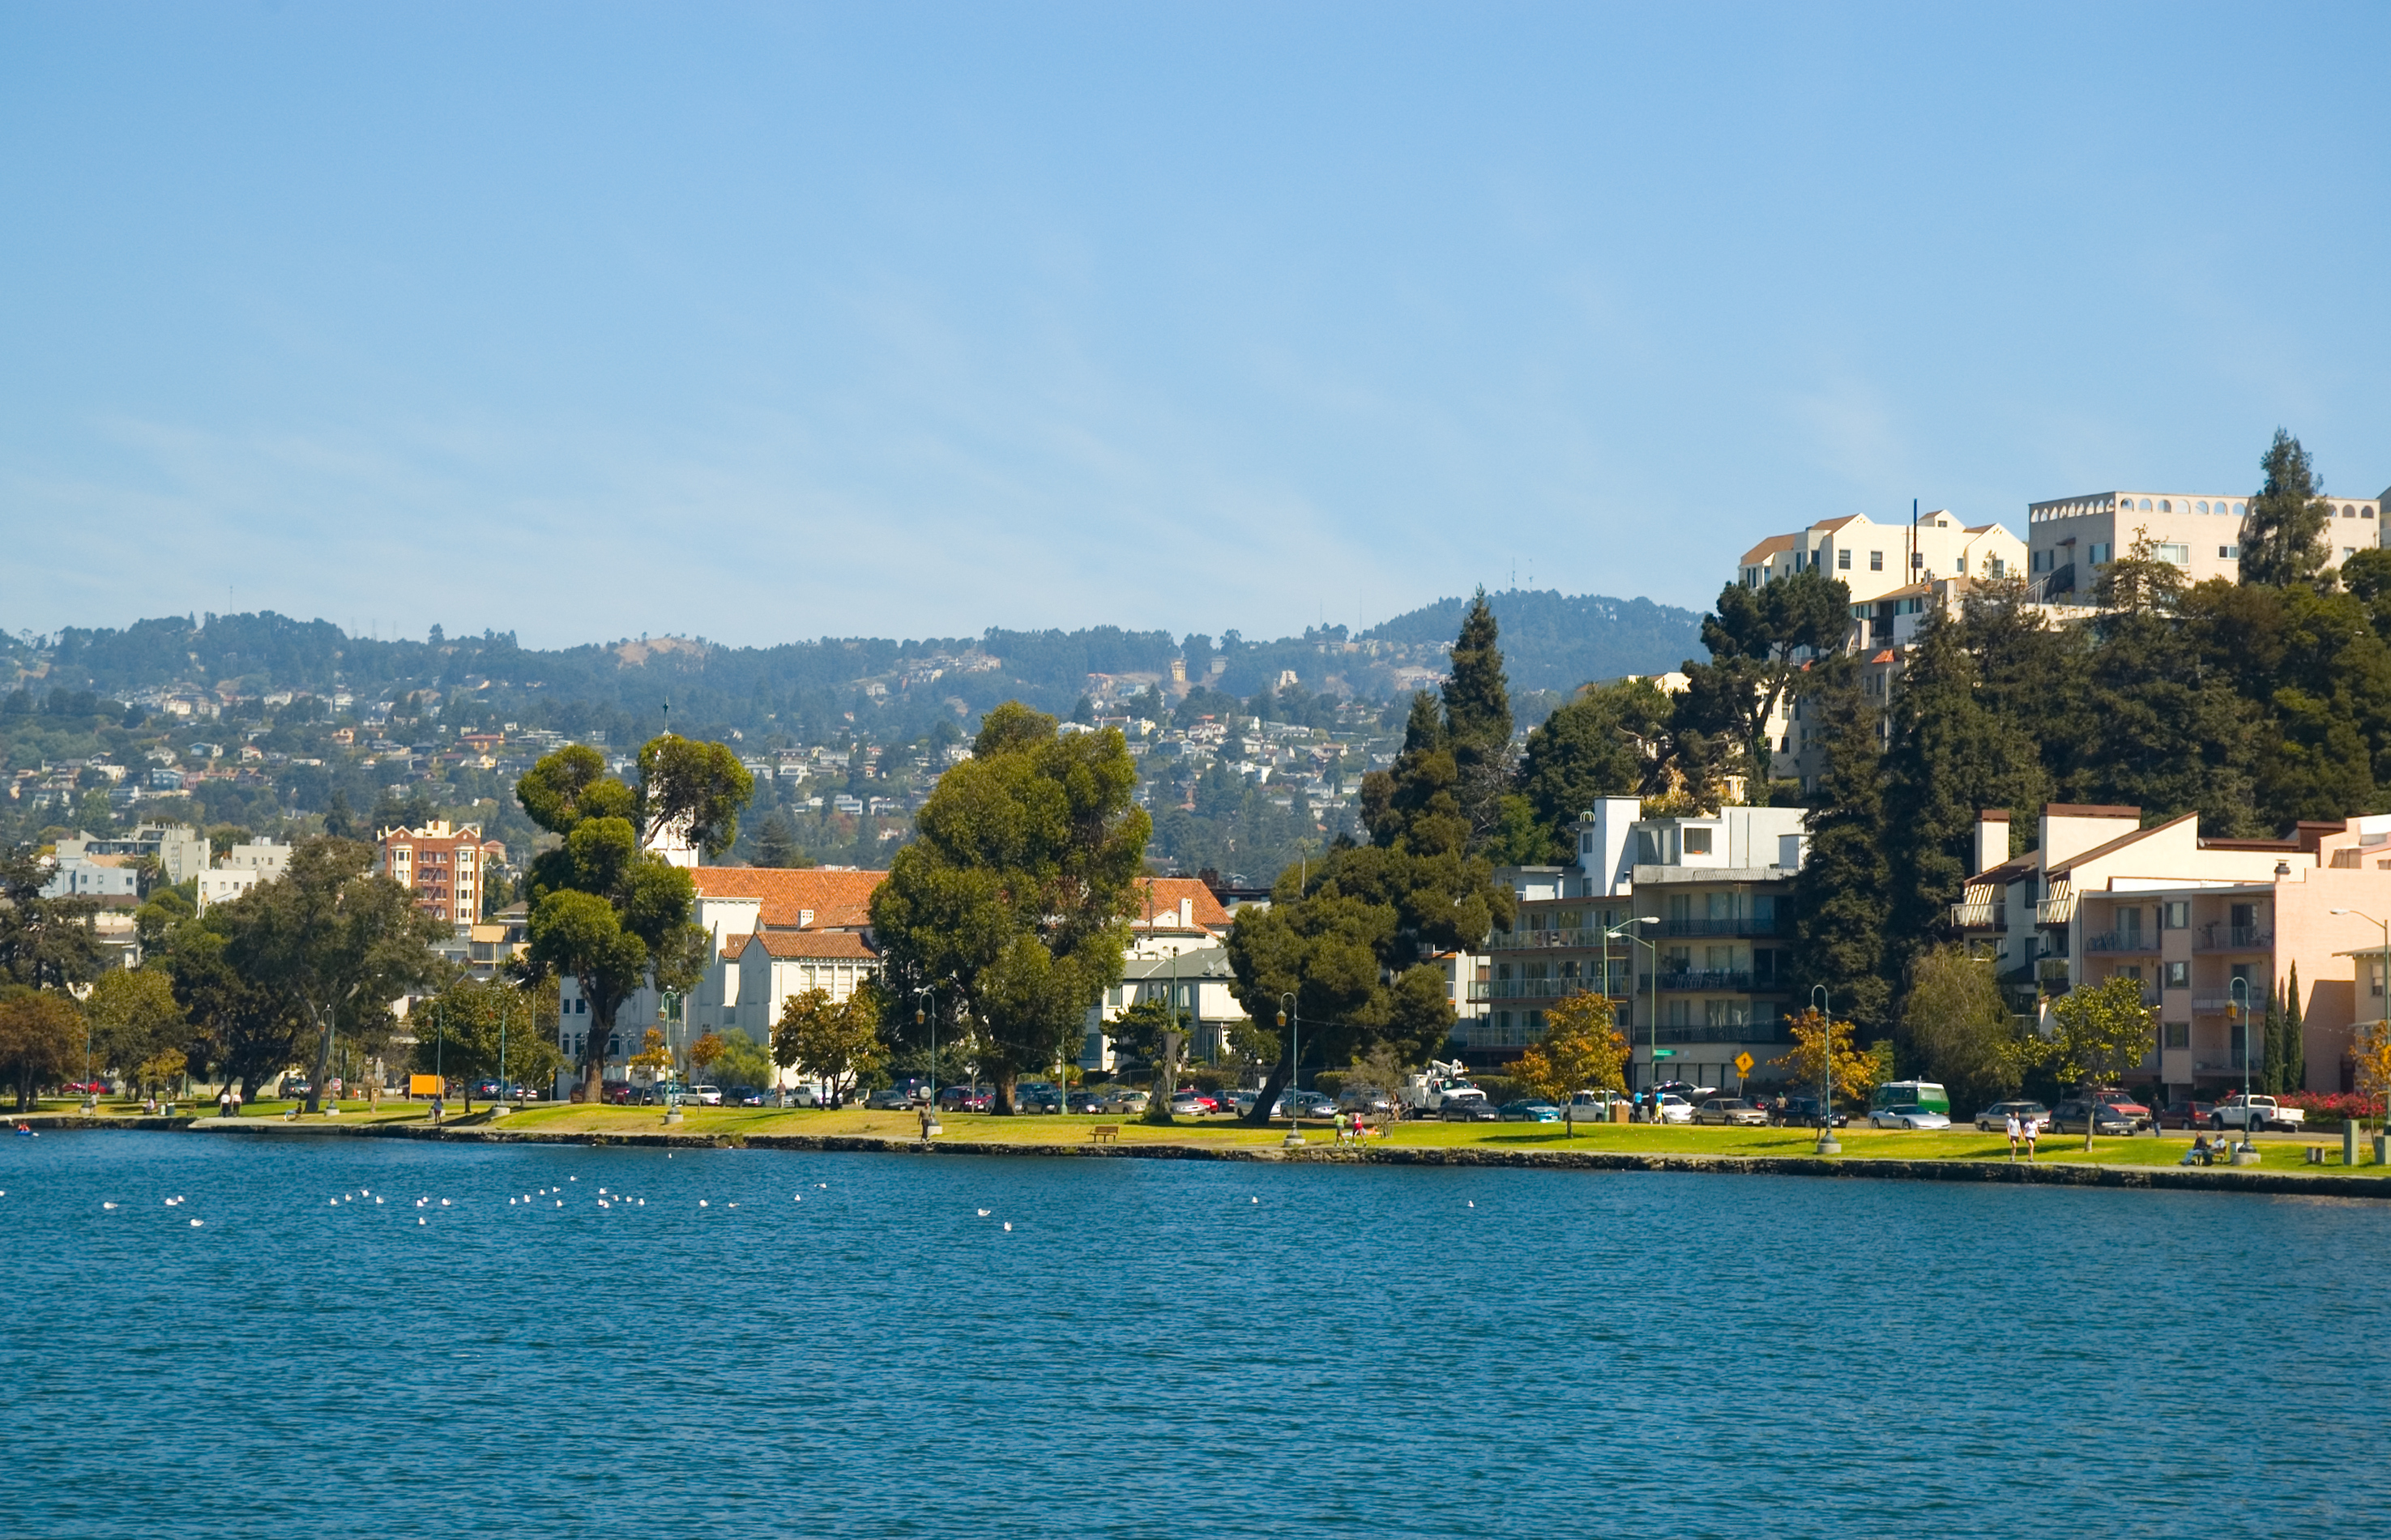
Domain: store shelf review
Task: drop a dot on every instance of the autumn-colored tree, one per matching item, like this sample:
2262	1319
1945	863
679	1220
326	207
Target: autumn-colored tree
837	1042
706	1052
161	1071
654	1055
2370	1058
1824	1047
1581	1051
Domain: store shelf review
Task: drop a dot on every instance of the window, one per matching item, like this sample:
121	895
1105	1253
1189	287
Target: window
2097	554
2229	553
2000	568
2179	555
2349	511
1876	560
2237	510
2176	914
2164	505
1843	561
2146	505
2179	1034
1917	560
2179	975
2346	552
2367	512
2201	507
1698	842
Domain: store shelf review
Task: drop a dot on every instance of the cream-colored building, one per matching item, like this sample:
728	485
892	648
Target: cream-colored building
2207	925
1874	559
2070	537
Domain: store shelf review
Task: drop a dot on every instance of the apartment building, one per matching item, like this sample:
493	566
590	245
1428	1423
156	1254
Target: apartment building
241	869
1685	921
2068	539
180	851
440	865
1874	559
2207	925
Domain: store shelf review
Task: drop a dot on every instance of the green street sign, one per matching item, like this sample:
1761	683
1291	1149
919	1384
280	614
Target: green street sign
1664	1052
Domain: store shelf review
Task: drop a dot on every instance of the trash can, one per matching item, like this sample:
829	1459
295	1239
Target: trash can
1618	1112
2349	1143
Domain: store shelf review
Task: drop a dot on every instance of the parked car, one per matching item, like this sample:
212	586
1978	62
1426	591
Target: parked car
2260	1113
1311	1104
2070	1117
1528	1112
1086	1100
1727	1110
704	1095
1236	1103
1676	1108
743	1095
1037	1097
2126	1103
1802	1112
294	1087
889	1098
1909	1115
1996	1117
1365	1098
965	1098
1125	1100
1692	1094
2187	1115
1468	1109
1591	1107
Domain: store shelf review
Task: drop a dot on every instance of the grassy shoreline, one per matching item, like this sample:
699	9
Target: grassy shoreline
2283	1155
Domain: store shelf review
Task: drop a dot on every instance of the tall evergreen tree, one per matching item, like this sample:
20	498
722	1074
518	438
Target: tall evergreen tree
2283	538
2162	731
1614	740
1840	894
1477	720
2292	1071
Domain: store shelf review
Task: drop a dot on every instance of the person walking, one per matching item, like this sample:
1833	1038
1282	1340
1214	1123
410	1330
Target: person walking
235	1099
2013	1132
224	1103
2033	1130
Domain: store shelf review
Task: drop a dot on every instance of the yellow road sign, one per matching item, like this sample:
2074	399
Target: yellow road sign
1743	1063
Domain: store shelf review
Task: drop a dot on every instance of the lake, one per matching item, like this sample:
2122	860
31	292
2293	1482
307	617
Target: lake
743	1342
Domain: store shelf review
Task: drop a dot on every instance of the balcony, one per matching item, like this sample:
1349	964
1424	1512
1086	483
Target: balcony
1991	914
1757	1031
1554	940
1740	980
1744	924
2122	940
1539	988
2055	912
2214	937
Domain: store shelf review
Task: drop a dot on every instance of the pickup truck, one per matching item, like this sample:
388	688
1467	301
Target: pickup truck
2258	1113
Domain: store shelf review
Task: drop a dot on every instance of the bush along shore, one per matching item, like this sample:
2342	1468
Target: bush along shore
1959	1156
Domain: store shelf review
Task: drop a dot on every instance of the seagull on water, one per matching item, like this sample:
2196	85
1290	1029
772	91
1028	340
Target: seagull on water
1008	1227
982	1213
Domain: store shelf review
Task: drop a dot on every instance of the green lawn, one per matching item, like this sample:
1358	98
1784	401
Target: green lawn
1859	1143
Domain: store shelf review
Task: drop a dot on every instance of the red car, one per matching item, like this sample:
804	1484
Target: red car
1210	1105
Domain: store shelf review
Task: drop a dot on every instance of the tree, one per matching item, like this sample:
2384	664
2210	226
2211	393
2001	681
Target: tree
605	907
41	1040
2102	1032
1959	1027
1582	1050
1350	936
1950	756
2283	538
704	1054
1758	640
334	939
655	1055
744	1061
1018	886
2290	1057
1156	1033
1614	740
776	842
1477	720
485	1030
836	1042
134	1018
161	1071
45	943
1822	1049
1840	894
2369	1052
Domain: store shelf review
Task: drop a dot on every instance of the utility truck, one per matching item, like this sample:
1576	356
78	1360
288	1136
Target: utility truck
1424	1096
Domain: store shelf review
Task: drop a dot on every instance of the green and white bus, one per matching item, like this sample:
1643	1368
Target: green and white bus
1925	1094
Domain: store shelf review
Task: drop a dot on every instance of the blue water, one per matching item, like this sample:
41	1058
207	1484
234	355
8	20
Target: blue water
1150	1350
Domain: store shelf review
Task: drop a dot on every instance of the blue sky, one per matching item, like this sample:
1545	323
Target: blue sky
765	323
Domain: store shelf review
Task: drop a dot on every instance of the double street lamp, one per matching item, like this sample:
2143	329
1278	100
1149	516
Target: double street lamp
1625	930
1286	1019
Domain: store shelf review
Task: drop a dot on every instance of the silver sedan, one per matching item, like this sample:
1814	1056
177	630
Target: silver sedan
1907	1117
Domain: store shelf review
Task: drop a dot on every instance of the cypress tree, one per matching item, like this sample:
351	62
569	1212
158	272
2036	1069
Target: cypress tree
2293	1058
1840	896
2283	538
2270	1040
1477	720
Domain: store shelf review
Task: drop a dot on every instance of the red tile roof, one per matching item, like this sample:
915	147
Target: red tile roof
838	945
840	901
1165	893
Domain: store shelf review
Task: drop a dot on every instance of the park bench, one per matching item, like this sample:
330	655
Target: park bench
1104	1134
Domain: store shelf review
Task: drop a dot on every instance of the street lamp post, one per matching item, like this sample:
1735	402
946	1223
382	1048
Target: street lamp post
2242	1014
1824	1004
1288	1019
1652	1029
929	1017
